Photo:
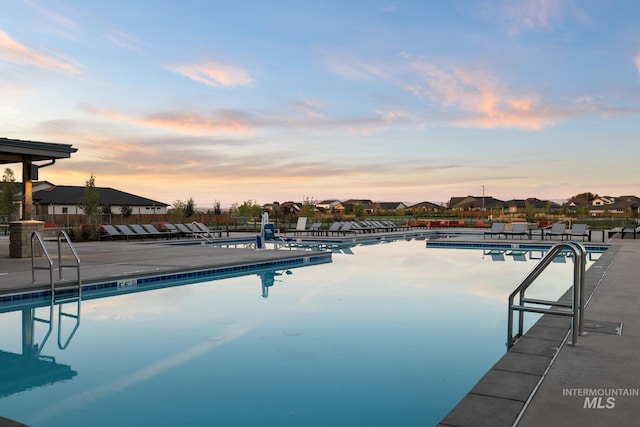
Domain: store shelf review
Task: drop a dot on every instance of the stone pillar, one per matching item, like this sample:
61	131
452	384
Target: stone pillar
20	238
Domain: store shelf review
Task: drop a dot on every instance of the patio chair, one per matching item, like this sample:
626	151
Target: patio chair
301	225
315	229
577	230
141	231
109	231
497	228
174	229
127	232
206	231
335	227
155	232
519	229
557	229
184	230
630	229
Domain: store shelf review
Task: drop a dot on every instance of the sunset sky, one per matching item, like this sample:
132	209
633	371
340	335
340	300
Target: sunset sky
234	100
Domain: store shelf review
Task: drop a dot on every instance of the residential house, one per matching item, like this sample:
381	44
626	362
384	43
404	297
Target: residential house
63	199
384	207
349	205
475	203
425	207
603	201
615	205
291	208
330	206
520	205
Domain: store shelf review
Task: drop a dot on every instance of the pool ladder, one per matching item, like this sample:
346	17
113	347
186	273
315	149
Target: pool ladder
36	237
571	309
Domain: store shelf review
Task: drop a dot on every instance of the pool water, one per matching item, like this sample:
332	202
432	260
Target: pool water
387	334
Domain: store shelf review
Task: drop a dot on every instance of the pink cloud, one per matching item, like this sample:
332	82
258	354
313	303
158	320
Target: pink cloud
638	62
13	51
182	122
489	102
214	74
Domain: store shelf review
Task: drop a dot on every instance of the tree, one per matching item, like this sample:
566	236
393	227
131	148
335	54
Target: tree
358	210
8	195
189	208
90	201
249	209
308	206
529	211
126	211
178	208
216	208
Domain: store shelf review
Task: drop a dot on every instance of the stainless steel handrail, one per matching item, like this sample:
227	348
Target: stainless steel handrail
36	235
576	305
63	235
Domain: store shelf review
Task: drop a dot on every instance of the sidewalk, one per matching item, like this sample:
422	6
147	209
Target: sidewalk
602	362
578	388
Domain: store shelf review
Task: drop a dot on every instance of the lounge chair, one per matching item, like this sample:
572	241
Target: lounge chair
141	231
109	231
315	229
577	230
173	229
497	228
202	228
391	226
301	225
155	232
184	230
357	228
335	227
127	232
627	229
557	229
519	229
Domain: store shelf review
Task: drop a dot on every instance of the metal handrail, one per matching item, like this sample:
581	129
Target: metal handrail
63	235
576	305
36	235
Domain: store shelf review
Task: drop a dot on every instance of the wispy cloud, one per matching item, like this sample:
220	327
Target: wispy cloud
638	62
528	15
214	74
470	97
476	92
123	40
309	107
347	66
62	26
219	122
13	51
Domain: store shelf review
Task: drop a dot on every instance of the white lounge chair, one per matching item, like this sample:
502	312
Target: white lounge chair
497	228
577	230
519	229
557	229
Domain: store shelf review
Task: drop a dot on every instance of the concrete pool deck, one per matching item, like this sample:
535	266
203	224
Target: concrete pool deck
528	386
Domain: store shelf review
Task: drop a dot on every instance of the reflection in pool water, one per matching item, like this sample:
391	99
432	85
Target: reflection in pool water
395	334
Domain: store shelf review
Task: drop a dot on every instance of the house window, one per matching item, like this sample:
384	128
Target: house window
65	210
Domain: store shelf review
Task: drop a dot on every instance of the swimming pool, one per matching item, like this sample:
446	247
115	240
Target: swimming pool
387	334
